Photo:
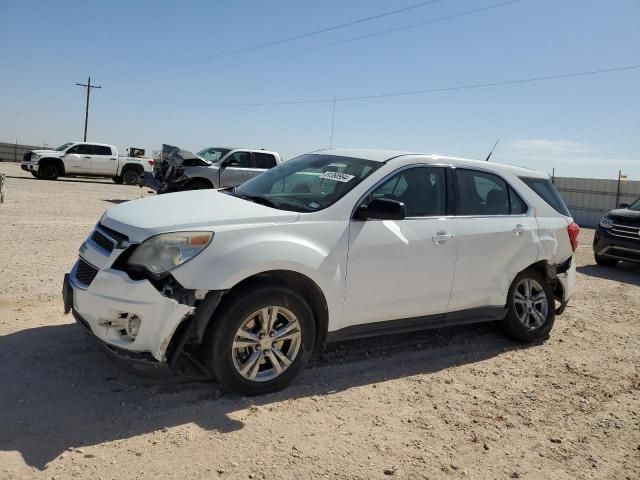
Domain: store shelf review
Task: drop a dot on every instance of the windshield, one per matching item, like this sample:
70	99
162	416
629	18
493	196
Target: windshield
307	183
213	155
635	205
63	147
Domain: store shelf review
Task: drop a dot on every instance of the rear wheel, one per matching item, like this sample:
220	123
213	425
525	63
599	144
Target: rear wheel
49	171
531	307
261	341
117	180
605	262
130	176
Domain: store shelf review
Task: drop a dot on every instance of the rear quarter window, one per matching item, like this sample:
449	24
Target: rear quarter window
547	191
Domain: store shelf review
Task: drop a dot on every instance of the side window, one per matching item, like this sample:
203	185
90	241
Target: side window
518	207
422	190
481	193
242	159
81	149
101	150
264	160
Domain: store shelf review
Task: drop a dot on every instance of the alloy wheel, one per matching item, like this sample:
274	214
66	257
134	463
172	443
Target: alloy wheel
266	344
531	303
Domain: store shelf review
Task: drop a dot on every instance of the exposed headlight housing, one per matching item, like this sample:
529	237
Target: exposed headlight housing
606	222
166	251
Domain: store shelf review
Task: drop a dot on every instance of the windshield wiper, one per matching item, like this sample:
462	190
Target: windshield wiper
254	198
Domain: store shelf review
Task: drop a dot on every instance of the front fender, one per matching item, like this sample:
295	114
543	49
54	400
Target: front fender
236	255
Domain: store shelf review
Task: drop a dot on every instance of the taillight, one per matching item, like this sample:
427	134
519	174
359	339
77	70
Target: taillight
151	162
574	231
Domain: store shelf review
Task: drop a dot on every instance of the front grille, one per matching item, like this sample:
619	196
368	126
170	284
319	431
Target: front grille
102	241
26	157
631	232
85	273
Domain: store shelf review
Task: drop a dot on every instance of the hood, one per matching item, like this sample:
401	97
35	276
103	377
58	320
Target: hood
207	210
48	153
625	215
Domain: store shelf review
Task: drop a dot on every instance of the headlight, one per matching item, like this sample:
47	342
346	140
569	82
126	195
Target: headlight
164	252
606	222
34	156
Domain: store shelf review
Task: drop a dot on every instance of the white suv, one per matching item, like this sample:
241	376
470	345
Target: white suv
331	245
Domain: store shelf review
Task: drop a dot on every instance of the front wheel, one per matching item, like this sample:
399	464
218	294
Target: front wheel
35	174
117	179
260	341
531	307
49	171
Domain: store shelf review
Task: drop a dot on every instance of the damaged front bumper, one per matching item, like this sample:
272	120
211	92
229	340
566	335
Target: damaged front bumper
130	316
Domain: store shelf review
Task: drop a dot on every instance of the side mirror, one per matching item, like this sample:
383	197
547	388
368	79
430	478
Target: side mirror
623	205
382	209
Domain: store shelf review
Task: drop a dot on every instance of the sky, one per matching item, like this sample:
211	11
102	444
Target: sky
202	73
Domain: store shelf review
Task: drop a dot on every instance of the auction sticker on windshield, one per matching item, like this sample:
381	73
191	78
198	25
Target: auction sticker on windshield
337	176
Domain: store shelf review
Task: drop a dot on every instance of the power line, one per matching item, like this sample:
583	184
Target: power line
418	92
285	39
338	42
88	86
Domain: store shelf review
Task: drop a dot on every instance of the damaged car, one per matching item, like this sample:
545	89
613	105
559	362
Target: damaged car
329	246
212	167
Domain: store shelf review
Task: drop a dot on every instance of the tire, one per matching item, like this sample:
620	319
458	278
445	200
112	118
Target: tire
244	312
117	180
35	174
130	176
197	185
605	262
529	327
49	171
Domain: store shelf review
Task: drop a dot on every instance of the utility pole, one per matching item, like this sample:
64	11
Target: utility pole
333	121
88	86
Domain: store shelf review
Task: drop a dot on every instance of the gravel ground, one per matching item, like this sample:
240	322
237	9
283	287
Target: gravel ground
460	402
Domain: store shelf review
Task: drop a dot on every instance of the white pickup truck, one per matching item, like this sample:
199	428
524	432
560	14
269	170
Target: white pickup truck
85	159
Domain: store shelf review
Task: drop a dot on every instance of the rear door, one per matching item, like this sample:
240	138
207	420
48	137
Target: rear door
103	161
497	238
238	168
77	160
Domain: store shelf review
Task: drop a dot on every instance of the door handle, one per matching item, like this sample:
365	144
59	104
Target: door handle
520	229
442	236
86	158
113	159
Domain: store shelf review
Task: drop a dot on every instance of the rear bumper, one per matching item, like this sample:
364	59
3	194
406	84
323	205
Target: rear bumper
611	246
567	280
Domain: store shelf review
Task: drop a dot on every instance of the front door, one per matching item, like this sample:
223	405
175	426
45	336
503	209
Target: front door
402	269
78	159
238	169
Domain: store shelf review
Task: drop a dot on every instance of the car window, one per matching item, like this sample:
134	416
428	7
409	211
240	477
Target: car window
422	190
547	191
308	183
635	205
518	207
81	149
101	150
243	159
264	160
213	154
481	193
